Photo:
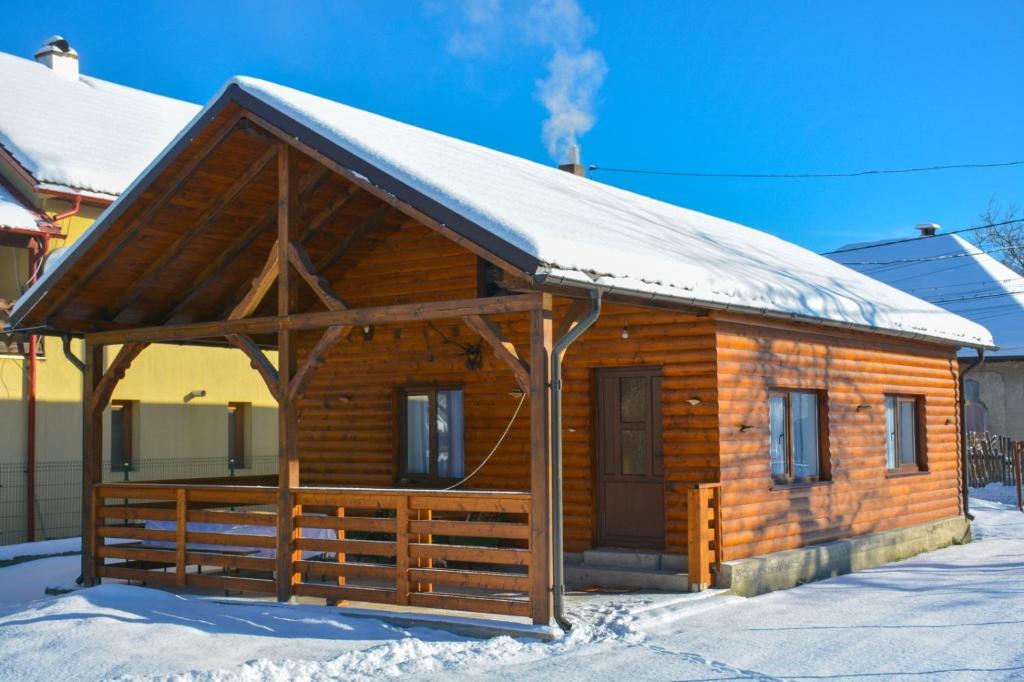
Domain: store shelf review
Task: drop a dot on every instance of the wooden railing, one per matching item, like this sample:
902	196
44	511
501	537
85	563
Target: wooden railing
464	550
704	531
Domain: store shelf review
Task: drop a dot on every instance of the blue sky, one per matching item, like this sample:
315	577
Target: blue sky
715	86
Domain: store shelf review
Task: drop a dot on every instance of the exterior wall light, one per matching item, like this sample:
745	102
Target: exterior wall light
625	331
192	395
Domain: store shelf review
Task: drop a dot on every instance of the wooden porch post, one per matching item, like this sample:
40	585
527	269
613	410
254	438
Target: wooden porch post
92	458
288	444
541	342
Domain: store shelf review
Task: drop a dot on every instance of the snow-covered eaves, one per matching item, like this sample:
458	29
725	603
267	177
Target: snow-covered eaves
565	229
82	137
17	216
953	273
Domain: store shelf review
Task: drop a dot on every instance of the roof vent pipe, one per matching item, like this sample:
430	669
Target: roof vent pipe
573	166
59	56
928	229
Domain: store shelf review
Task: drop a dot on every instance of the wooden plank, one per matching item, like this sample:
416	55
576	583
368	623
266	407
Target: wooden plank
231	539
260	286
469	503
339	593
180	532
698	568
476	529
406	312
259	362
234	517
327	213
424	515
153	272
226	582
92	461
481	555
452	602
402	552
300	260
541	343
136	513
472	579
135	533
162	556
136	574
360	523
352	500
327	546
245	563
347	569
342	246
503	349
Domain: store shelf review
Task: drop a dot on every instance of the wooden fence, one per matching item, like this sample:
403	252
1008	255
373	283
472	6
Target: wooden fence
704	551
995	459
371	545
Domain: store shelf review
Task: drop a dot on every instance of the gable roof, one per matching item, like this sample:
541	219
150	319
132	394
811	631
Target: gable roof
16	215
565	229
951	272
87	135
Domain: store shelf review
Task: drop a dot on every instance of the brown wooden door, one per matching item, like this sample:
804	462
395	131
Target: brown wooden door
630	462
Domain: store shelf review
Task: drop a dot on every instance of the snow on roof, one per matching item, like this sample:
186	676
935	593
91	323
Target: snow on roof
83	135
951	272
15	215
588	232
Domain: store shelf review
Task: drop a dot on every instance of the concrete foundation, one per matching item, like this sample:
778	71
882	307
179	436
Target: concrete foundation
781	570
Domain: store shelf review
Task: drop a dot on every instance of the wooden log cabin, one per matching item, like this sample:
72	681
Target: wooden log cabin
483	362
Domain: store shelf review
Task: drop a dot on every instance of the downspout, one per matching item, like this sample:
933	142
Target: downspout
35	258
558	553
964	483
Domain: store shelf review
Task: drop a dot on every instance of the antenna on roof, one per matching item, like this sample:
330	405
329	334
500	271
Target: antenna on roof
928	229
573	166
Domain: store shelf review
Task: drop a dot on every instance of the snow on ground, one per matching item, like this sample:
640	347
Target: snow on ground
954	614
43	548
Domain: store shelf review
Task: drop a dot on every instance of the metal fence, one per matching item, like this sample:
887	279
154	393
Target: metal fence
59	489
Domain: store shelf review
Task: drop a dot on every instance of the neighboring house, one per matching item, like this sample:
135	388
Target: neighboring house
69	145
955	274
728	398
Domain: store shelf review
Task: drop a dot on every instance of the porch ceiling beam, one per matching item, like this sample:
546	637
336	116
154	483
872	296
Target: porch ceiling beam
114	246
115	372
260	286
328	213
408	312
297	386
383	195
308	186
504	350
343	246
258	361
157	267
320	286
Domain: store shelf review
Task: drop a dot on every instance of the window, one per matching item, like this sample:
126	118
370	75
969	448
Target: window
122	413
797	453
432	435
238	432
904	438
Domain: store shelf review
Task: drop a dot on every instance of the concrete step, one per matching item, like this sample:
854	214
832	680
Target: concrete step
584	575
634	559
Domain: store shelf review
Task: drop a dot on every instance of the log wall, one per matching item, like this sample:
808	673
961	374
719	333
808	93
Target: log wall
855	370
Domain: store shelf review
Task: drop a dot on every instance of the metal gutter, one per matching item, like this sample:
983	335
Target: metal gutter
558	553
964	481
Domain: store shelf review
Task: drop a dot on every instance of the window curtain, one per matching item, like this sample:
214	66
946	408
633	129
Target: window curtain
890	431
417	434
777	427
805	434
450	445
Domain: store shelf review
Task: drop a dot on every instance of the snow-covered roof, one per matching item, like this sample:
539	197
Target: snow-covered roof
565	229
87	134
15	215
951	272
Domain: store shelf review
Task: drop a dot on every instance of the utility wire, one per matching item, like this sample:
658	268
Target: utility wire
783	176
875	245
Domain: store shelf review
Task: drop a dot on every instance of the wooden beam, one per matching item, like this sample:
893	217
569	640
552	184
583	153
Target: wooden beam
577	309
320	286
211	215
108	382
384	196
315	358
258	361
309	184
260	286
92	460
113	246
327	213
504	350
354	317
342	246
541	343
288	421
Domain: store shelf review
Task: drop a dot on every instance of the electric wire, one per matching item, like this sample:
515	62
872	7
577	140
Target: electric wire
789	176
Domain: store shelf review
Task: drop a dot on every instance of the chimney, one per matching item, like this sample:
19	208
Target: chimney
574	166
60	57
928	229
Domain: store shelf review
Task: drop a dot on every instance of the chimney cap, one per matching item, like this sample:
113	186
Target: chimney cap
573	165
56	44
928	229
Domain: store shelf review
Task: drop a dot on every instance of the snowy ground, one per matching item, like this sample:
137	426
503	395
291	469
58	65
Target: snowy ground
957	613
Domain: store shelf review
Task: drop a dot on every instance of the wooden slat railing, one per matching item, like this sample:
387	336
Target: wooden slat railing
704	530
464	550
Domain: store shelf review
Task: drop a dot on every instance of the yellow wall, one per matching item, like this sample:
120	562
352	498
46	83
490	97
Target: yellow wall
167	427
